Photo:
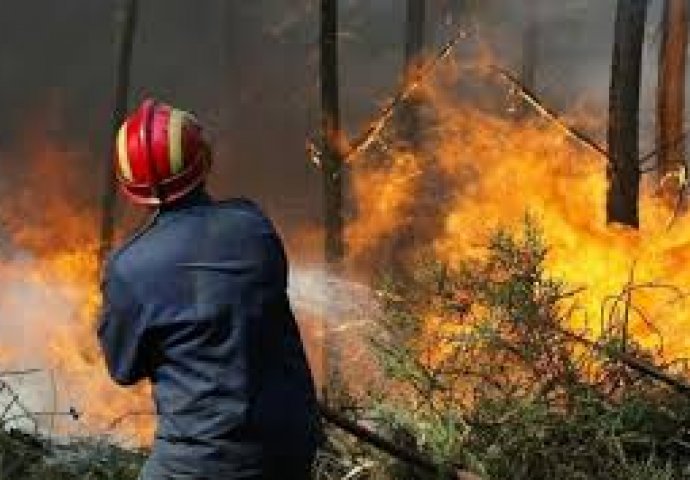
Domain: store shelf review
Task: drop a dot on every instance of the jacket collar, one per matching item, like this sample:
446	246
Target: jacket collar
195	198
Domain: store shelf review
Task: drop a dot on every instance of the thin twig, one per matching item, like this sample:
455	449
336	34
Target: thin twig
18	373
33	415
55	399
628	305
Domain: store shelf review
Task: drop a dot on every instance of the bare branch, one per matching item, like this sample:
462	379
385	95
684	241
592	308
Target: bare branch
531	98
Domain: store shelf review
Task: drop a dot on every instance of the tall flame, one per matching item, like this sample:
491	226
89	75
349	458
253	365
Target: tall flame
490	170
49	296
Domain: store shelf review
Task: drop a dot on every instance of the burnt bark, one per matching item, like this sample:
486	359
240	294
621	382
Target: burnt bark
414	35
671	88
412	67
623	170
410	124
127	20
332	163
334	247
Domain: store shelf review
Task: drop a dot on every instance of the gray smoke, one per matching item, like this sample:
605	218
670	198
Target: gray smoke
249	69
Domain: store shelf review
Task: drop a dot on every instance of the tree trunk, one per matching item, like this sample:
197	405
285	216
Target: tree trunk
623	170
409	130
127	19
330	125
414	35
671	90
413	63
332	164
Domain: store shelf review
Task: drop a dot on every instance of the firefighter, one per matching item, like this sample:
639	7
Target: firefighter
196	303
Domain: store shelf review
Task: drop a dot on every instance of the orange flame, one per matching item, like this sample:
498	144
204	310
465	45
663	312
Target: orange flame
495	170
49	296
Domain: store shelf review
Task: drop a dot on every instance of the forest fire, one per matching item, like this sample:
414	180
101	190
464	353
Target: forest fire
482	253
495	170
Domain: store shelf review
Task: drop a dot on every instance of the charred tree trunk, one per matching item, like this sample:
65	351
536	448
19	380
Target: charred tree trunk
623	170
333	171
414	35
127	19
409	130
530	49
330	125
671	90
413	64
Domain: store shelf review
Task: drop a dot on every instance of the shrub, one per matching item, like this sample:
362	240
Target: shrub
480	372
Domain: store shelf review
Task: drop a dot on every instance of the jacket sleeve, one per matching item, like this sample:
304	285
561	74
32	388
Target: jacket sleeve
121	331
298	393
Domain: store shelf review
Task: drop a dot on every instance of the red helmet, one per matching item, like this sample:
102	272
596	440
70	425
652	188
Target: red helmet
161	154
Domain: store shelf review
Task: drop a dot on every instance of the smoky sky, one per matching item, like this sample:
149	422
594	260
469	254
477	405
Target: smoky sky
249	69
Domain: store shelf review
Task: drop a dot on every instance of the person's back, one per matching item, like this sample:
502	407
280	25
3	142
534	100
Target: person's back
197	302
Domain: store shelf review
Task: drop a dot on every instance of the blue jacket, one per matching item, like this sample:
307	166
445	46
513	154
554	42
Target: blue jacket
197	303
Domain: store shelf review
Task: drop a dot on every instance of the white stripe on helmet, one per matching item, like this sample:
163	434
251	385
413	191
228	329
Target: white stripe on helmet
175	147
123	154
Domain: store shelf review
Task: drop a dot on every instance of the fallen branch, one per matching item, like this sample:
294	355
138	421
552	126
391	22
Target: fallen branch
411	457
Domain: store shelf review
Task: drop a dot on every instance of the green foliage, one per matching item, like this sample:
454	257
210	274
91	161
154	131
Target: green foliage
28	457
478	372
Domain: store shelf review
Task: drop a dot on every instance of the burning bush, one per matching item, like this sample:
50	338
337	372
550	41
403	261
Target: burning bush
483	368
